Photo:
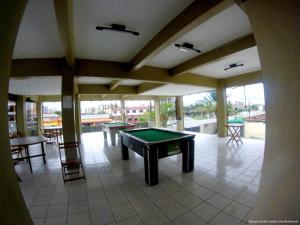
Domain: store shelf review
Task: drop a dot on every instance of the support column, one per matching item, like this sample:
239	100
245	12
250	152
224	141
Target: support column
221	109
40	114
275	25
13	208
21	115
68	109
77	115
157	111
123	110
179	113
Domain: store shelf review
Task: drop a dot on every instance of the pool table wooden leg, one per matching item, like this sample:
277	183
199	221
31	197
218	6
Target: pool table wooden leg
113	137
188	157
105	135
125	155
151	166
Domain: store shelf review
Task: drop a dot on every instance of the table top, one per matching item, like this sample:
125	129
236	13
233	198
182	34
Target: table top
156	135
27	140
234	125
116	125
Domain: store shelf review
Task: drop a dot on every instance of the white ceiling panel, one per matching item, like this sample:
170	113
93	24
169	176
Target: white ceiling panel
106	81
131	82
230	24
38	35
146	17
176	90
35	86
94	80
248	57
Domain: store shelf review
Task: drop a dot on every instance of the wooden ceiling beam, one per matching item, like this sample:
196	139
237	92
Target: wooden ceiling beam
146	86
244	79
64	17
114	84
208	57
36	67
192	16
96	68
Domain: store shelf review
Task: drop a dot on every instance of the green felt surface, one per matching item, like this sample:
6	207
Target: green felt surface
154	135
237	120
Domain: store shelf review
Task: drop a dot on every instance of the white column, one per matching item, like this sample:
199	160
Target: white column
157	111
221	109
123	110
179	113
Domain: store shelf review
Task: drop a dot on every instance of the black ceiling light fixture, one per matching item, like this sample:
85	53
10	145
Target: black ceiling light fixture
233	65
119	28
187	47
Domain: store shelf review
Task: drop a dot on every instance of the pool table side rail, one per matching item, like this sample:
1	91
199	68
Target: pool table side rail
186	136
118	127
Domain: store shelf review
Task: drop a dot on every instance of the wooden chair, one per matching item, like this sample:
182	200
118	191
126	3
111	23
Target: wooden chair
48	134
57	133
17	151
71	167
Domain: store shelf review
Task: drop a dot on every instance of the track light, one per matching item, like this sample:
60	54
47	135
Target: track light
187	47
119	28
233	65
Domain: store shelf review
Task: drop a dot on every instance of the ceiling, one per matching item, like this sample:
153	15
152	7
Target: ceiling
146	17
230	24
38	37
248	57
177	90
35	86
106	81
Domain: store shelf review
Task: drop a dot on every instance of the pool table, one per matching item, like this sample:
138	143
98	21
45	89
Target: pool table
153	144
113	128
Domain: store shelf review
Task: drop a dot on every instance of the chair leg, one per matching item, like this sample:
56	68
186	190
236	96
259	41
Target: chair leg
82	171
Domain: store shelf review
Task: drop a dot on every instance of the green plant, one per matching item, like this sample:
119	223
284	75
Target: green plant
147	116
167	109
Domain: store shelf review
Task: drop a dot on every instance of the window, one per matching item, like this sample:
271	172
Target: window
12	114
31	118
246	104
93	113
200	112
52	114
167	113
142	112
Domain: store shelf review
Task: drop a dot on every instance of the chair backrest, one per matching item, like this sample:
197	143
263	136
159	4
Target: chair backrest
15	135
69	151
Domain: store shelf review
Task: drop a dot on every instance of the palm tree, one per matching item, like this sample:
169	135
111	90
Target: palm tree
167	109
210	98
208	105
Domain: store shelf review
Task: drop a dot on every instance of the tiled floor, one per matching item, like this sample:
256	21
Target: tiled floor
221	190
